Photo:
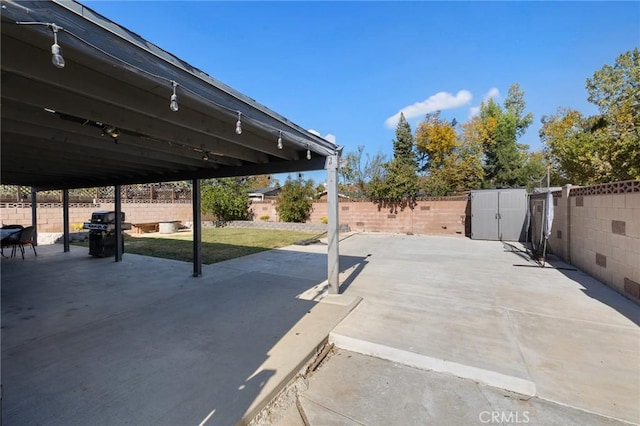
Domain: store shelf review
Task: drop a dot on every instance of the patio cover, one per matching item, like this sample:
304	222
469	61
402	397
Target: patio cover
104	119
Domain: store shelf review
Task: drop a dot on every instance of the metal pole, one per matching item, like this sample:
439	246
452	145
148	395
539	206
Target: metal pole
118	209
333	237
65	220
34	215
197	228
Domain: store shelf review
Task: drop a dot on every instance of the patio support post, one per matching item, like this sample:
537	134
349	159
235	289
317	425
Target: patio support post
333	258
34	214
197	228
65	220
117	200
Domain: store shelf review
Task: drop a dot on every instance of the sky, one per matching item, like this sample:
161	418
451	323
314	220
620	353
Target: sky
347	69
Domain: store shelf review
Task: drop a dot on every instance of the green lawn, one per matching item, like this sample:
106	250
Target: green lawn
218	244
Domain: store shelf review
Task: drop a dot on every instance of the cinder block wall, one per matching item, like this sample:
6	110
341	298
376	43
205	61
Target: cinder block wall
50	214
597	229
439	216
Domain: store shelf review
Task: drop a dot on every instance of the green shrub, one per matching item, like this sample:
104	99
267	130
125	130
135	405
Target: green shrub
227	199
295	201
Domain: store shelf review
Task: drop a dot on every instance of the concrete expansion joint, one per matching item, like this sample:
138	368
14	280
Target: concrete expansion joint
308	400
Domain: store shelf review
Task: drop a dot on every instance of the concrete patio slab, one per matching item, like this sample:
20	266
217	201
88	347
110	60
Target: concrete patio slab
91	341
354	389
481	310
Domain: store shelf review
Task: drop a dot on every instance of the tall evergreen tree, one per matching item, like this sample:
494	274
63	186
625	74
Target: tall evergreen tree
399	185
403	149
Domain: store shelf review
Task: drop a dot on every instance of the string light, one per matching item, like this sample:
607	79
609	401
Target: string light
239	124
58	61
205	156
173	104
56	54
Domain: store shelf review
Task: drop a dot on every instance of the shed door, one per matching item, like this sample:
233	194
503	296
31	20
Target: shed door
484	215
512	213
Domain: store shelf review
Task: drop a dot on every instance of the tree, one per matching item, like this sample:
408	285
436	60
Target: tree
604	147
295	201
577	153
262	181
226	198
450	162
398	185
436	140
358	169
615	89
403	143
499	130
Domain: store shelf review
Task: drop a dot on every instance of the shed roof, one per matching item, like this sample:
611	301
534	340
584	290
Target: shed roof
104	118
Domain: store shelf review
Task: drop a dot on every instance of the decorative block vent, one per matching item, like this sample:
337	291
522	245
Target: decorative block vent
423	208
618	227
625	187
601	260
632	288
345	208
391	216
559	234
579	201
359	223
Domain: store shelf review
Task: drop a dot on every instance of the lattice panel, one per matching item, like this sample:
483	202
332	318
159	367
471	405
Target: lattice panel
158	192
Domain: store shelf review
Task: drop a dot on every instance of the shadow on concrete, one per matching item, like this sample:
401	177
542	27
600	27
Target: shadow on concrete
598	290
590	286
359	267
91	341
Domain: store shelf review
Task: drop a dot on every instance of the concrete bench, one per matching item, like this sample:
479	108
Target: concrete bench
141	228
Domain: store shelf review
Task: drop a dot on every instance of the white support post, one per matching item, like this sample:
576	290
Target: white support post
333	261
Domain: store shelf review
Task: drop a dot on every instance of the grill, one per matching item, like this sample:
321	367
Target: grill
102	233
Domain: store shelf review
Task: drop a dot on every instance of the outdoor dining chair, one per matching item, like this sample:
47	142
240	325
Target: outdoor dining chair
10	238
26	239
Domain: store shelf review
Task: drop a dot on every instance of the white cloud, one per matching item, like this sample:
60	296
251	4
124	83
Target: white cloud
329	136
438	102
473	111
493	93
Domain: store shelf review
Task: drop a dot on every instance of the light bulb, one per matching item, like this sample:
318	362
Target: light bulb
239	124
205	157
56	58
174	103
280	140
308	154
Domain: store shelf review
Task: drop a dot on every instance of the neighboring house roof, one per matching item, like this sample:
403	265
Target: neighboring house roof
324	193
267	192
